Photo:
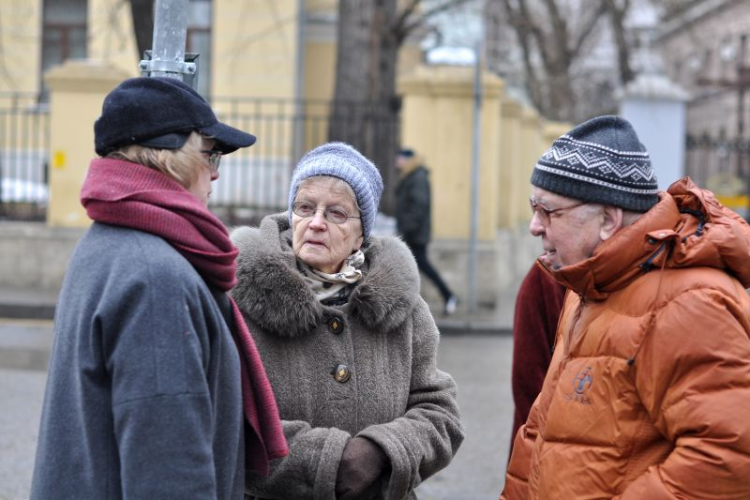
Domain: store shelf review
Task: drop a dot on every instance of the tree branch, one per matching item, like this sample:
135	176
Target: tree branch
519	21
586	30
406	27
617	17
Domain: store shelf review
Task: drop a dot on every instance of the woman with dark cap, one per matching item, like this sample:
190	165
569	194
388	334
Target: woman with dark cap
155	387
349	345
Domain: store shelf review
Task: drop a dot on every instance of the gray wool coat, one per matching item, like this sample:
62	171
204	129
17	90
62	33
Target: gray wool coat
387	340
143	396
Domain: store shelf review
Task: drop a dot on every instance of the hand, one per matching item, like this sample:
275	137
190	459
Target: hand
362	463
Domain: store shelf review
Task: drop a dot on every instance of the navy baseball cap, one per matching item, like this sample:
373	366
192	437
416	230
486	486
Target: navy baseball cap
160	112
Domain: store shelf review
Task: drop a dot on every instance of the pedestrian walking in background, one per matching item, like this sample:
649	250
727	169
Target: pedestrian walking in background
537	312
152	365
648	391
414	219
349	345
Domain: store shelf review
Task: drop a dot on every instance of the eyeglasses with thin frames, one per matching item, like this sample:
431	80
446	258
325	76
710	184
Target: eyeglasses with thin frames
336	215
214	158
544	213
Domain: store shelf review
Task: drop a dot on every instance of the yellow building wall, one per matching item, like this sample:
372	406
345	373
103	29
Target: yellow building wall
254	48
77	90
111	37
511	173
20	39
437	121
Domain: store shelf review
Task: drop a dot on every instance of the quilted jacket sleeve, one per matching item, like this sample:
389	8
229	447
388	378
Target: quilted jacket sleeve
693	376
427	437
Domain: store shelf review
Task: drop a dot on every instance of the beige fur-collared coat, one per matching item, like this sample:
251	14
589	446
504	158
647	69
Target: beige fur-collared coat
366	368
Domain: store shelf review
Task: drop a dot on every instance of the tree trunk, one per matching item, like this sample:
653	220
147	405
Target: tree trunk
617	15
143	23
365	108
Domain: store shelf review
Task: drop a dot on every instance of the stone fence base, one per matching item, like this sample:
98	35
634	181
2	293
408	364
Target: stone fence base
35	257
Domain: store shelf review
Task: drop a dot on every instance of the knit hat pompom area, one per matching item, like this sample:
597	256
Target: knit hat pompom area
337	159
600	161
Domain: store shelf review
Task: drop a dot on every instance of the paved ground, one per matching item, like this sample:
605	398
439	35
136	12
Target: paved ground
479	363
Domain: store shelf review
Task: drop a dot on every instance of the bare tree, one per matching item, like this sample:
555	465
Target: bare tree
617	10
557	40
365	108
143	23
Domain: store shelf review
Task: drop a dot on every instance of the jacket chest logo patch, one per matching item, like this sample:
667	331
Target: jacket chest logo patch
581	384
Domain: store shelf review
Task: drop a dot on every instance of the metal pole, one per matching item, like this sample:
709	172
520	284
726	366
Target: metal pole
740	104
475	155
170	34
299	80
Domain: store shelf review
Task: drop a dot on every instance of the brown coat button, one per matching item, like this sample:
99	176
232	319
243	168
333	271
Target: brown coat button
336	325
342	374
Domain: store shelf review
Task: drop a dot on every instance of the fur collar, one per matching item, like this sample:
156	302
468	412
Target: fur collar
274	296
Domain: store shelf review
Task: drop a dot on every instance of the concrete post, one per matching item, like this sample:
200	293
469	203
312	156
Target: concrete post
510	162
77	89
656	108
531	148
437	123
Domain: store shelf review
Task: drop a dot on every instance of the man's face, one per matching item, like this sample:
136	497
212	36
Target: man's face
569	235
401	161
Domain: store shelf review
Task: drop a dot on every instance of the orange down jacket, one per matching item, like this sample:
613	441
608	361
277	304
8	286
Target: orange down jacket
648	393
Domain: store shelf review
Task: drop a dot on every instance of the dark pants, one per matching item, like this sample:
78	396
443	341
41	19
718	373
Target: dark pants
420	255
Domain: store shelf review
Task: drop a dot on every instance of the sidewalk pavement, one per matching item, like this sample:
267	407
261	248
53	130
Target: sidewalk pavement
25	303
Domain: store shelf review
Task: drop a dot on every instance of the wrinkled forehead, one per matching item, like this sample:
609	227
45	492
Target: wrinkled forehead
327	188
549	198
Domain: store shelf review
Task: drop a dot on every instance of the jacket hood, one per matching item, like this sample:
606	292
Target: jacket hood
273	294
687	228
410	165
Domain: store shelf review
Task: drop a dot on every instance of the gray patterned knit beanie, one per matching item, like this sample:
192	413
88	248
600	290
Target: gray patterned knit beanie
600	161
340	160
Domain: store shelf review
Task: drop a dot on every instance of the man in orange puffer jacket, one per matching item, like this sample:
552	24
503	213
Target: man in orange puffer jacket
648	391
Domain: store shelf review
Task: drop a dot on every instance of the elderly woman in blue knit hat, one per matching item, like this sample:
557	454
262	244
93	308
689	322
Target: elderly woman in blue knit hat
348	344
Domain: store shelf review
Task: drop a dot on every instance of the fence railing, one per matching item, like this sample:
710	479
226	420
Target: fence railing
258	178
24	156
707	157
723	166
253	181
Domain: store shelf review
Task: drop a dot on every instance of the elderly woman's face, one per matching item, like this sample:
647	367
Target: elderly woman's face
321	244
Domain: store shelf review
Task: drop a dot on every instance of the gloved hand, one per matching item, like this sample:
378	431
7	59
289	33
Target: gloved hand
362	463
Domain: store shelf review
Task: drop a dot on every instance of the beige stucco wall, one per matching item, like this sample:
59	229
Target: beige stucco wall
20	39
254	48
110	35
437	121
510	174
77	90
111	38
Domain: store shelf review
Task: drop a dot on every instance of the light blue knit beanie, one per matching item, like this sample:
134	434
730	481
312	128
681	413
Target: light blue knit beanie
340	160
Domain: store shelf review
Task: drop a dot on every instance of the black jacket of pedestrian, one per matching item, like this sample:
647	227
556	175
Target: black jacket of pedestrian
413	205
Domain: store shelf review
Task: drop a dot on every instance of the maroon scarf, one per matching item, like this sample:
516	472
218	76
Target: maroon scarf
127	194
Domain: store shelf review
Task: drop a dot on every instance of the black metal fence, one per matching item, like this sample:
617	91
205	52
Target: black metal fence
708	158
723	166
24	156
253	181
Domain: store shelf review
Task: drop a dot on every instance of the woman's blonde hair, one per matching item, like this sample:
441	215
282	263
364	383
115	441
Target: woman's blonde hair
178	164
